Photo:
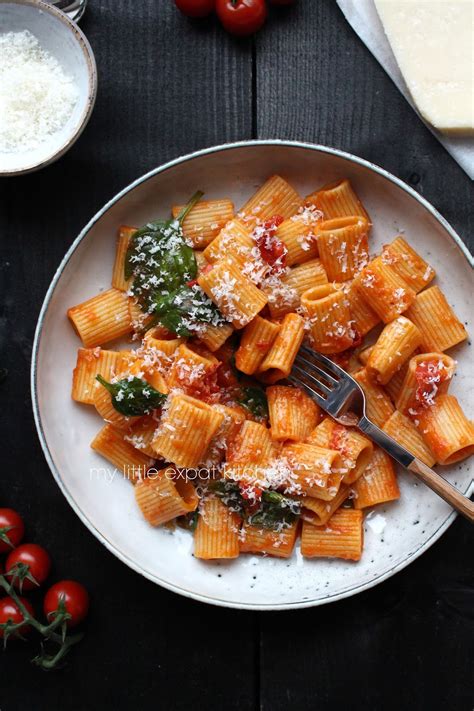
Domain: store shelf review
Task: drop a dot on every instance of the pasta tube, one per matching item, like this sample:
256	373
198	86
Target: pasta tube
398	340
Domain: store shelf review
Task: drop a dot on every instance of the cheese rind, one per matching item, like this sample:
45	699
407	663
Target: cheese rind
433	43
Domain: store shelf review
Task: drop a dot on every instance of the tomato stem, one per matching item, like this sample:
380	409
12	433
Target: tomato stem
64	643
4	535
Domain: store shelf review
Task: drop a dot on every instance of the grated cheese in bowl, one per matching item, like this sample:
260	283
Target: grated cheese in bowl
37	97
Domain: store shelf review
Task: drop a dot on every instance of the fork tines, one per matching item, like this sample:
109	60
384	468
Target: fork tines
319	376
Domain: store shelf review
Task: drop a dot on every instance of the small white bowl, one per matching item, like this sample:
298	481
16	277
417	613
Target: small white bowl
63	39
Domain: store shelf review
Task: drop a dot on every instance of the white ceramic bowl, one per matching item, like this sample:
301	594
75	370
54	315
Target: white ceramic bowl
66	428
63	39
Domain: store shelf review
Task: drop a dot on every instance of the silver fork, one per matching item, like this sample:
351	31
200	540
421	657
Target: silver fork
338	394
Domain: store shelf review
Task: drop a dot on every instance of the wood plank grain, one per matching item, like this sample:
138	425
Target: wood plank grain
316	81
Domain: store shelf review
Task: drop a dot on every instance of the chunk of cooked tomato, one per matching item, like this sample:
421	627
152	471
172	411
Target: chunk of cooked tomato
272	250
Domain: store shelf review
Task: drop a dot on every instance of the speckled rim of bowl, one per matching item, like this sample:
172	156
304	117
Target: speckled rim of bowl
92	93
348	592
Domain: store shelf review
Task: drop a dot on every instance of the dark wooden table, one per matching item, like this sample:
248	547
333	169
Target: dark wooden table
168	86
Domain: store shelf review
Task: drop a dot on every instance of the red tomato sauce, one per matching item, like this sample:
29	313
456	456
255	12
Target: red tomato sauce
429	375
272	249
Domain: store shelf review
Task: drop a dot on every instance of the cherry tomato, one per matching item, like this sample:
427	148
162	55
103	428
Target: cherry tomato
36	558
12	529
75	598
241	17
9	610
195	8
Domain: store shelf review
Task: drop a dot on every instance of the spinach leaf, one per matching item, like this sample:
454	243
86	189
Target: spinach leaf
188	521
230	494
255	400
163	268
182	310
275	512
158	257
133	397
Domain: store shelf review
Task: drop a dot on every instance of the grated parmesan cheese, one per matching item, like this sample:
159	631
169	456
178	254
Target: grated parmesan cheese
36	96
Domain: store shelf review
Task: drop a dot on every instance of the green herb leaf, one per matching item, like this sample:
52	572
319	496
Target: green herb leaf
184	309
255	400
275	512
188	521
230	494
152	242
133	397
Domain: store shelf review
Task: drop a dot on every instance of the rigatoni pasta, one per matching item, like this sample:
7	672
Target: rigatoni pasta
340	537
237	297
317	471
379	407
354	448
112	445
198	412
186	431
364	318
257	339
293	414
378	483
398	340
284	294
407	263
343	246
427	375
337	199
206	219
329	316
299	235
102	319
278	362
233	240
275	197
161	498
255	539
384	290
446	430
403	431
90	363
217	531
317	511
439	326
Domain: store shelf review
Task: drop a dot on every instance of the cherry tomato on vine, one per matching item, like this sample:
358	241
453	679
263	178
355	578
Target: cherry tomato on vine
12	529
9	610
241	17
195	8
75	598
36	558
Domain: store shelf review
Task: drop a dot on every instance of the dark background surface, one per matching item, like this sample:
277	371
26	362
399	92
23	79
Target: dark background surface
168	86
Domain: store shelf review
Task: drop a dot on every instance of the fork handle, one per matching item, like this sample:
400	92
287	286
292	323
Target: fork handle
444	489
437	483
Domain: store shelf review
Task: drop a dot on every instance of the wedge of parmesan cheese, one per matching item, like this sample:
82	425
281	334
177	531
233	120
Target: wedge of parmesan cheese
433	43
